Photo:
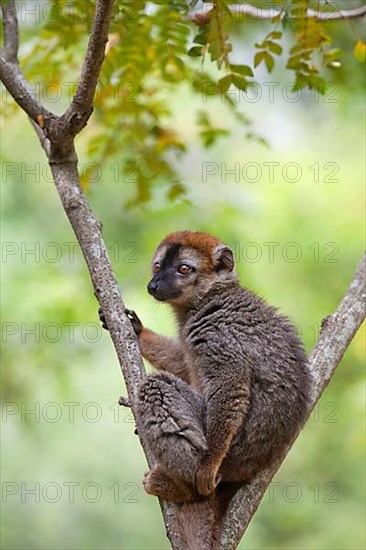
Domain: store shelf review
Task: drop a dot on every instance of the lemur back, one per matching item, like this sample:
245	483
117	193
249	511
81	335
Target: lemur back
256	343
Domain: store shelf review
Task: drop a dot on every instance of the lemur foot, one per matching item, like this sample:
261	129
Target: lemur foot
157	483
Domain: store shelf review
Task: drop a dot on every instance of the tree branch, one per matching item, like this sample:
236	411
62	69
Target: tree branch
254	13
14	81
81	106
10	74
336	335
80	109
45	142
11	32
87	230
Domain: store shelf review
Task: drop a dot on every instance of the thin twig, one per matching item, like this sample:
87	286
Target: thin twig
253	13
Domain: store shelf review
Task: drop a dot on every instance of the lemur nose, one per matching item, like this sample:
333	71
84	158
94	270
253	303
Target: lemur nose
152	287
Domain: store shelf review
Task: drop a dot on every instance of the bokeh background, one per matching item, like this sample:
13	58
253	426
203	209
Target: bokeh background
297	233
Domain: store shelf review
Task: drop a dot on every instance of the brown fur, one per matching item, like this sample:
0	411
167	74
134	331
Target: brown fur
233	388
202	242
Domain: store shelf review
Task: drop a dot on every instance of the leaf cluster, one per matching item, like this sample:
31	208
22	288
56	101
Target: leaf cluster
156	47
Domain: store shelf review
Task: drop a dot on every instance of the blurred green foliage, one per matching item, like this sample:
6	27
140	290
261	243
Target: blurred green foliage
293	213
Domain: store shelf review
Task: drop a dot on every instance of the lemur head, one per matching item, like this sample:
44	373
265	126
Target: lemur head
187	264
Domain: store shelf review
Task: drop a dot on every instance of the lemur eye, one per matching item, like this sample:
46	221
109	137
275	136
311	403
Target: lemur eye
156	267
184	269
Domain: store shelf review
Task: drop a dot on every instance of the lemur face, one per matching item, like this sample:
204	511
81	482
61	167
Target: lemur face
175	271
186	264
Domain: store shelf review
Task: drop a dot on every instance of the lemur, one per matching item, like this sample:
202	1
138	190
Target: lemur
232	389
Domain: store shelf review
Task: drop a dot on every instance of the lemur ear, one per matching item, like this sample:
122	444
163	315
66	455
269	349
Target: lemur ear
223	258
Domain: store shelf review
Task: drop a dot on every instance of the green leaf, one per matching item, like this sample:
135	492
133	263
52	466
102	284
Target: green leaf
176	191
196	51
269	61
267	58
215	50
297	48
240	82
259	57
295	62
244	70
334	53
317	83
331	58
276	35
215	31
224	83
302	81
360	51
201	38
262	45
209	137
275	48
